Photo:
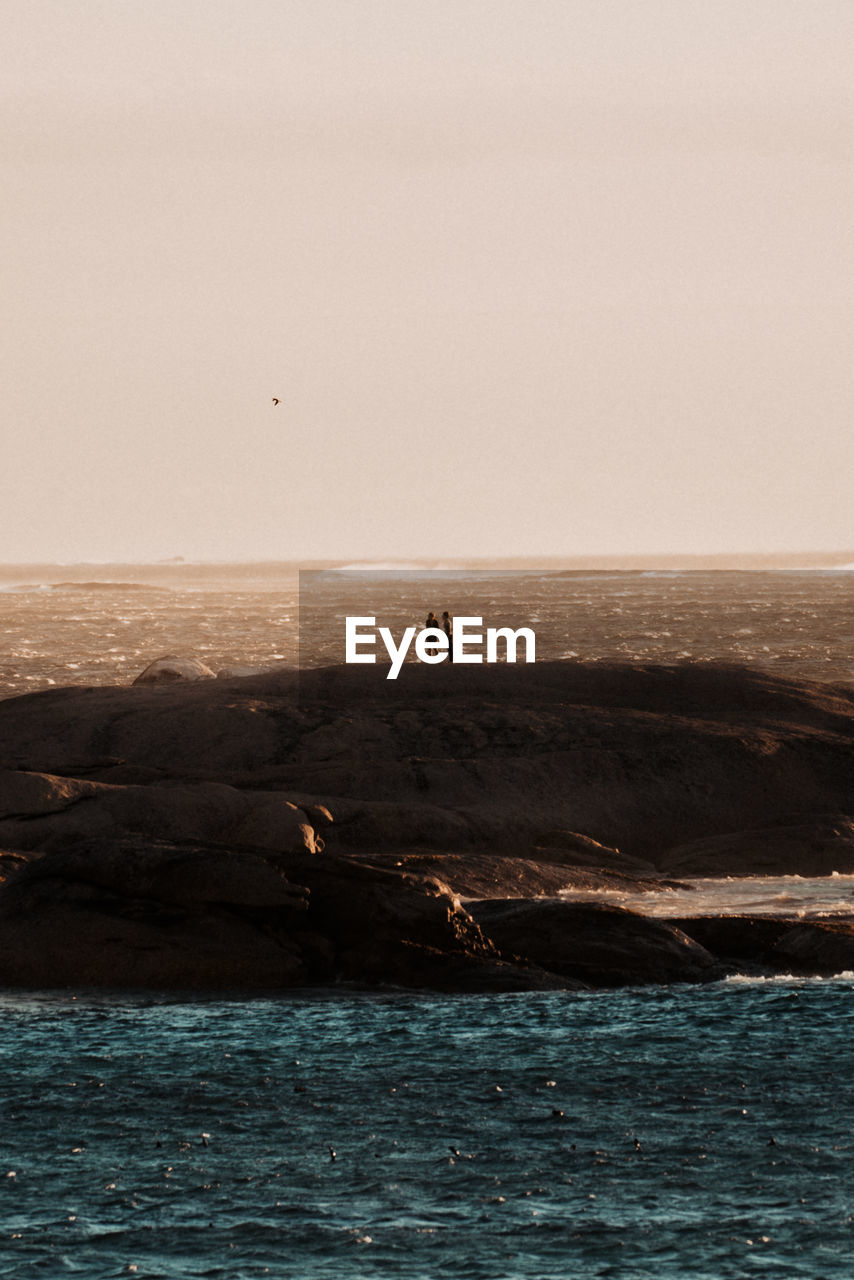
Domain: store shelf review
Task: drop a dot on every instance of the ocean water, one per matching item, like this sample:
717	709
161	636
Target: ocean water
665	1132
798	897
59	627
91	631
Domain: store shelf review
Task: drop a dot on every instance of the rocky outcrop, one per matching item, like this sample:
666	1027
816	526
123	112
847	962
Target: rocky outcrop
767	945
394	926
127	913
130	913
602	945
44	812
490	783
636	760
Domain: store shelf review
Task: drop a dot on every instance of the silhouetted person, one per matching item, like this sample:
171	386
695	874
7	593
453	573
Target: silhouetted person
446	627
432	624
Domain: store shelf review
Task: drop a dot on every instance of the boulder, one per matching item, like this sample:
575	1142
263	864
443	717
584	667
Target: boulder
771	945
601	945
171	669
813	947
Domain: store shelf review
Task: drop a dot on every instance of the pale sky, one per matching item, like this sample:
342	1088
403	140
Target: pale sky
530	277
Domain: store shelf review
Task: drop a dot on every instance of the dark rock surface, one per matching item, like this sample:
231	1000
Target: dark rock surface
602	945
39	811
126	913
129	912
823	845
762	944
174	834
636	759
476	874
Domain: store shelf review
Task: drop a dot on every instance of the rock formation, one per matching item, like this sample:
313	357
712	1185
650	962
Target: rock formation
173	834
170	668
602	945
39	811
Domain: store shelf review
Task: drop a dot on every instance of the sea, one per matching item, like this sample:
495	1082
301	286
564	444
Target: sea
95	624
663	1132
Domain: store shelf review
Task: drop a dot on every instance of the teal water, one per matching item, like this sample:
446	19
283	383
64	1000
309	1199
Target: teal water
661	1132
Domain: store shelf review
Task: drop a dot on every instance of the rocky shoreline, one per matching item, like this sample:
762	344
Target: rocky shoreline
292	829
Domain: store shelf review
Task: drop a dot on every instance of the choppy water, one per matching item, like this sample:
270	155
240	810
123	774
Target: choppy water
87	633
801	897
645	1133
56	631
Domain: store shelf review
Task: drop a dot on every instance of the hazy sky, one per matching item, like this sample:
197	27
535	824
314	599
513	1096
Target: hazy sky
531	277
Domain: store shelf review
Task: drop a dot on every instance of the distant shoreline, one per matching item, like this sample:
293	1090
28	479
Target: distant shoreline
270	570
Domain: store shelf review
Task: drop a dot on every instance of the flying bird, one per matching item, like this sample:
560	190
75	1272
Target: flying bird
275	401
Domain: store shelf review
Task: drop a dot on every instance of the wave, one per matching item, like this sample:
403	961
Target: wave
784	979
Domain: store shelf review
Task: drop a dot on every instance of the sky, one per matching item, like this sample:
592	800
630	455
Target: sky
528	277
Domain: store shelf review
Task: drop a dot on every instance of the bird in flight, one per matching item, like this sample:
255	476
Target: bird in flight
275	401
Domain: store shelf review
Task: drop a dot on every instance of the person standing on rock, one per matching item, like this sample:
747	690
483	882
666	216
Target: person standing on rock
446	627
432	624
